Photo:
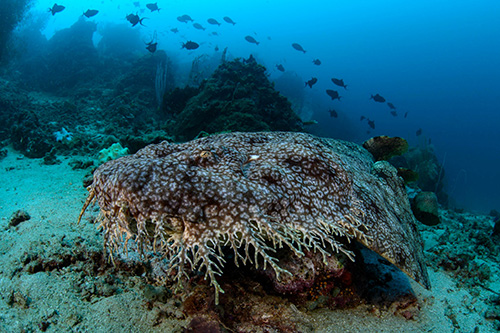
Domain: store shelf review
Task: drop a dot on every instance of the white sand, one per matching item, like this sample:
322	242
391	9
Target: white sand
53	196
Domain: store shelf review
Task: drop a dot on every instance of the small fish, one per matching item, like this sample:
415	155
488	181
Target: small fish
134	19
252	40
216	48
214	33
298	47
333	113
184	18
394	113
339	82
371	123
198	26
317	62
311	82
90	12
362	118
406	114
378	98
391	106
174	30
333	94
280	67
419	132
56	9
228	20
137	4
189	45
153	7
151	47
213	21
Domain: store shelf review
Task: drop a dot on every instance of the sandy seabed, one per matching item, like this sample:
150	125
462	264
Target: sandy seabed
60	296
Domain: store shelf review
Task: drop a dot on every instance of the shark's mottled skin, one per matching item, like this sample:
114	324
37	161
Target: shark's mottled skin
254	192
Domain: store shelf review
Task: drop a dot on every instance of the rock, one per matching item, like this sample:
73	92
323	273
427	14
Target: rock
425	208
18	217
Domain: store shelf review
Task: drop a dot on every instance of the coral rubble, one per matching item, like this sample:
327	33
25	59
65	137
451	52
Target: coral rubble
252	194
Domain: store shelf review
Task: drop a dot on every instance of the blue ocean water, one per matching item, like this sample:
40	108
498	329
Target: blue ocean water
439	62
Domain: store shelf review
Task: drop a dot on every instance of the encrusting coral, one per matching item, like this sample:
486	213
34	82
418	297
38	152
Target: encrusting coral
253	193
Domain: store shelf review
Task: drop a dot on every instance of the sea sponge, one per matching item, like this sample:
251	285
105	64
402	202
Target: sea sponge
253	193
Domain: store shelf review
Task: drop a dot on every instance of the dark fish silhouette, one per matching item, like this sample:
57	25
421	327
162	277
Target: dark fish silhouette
378	98
371	123
56	9
174	30
311	82
151	47
90	12
339	82
391	106
406	114
333	113
362	118
419	132
213	21
298	47
280	68
333	94
216	48
252	40
228	20
317	62
134	19
184	18
198	26
189	45
394	113
153	6
214	33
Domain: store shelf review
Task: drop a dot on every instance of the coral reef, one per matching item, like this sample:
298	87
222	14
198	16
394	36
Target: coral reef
462	245
12	12
384	147
431	173
425	208
251	194
64	61
496	227
409	176
113	152
237	97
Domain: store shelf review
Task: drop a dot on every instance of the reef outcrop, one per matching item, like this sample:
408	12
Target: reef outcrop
237	97
250	195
